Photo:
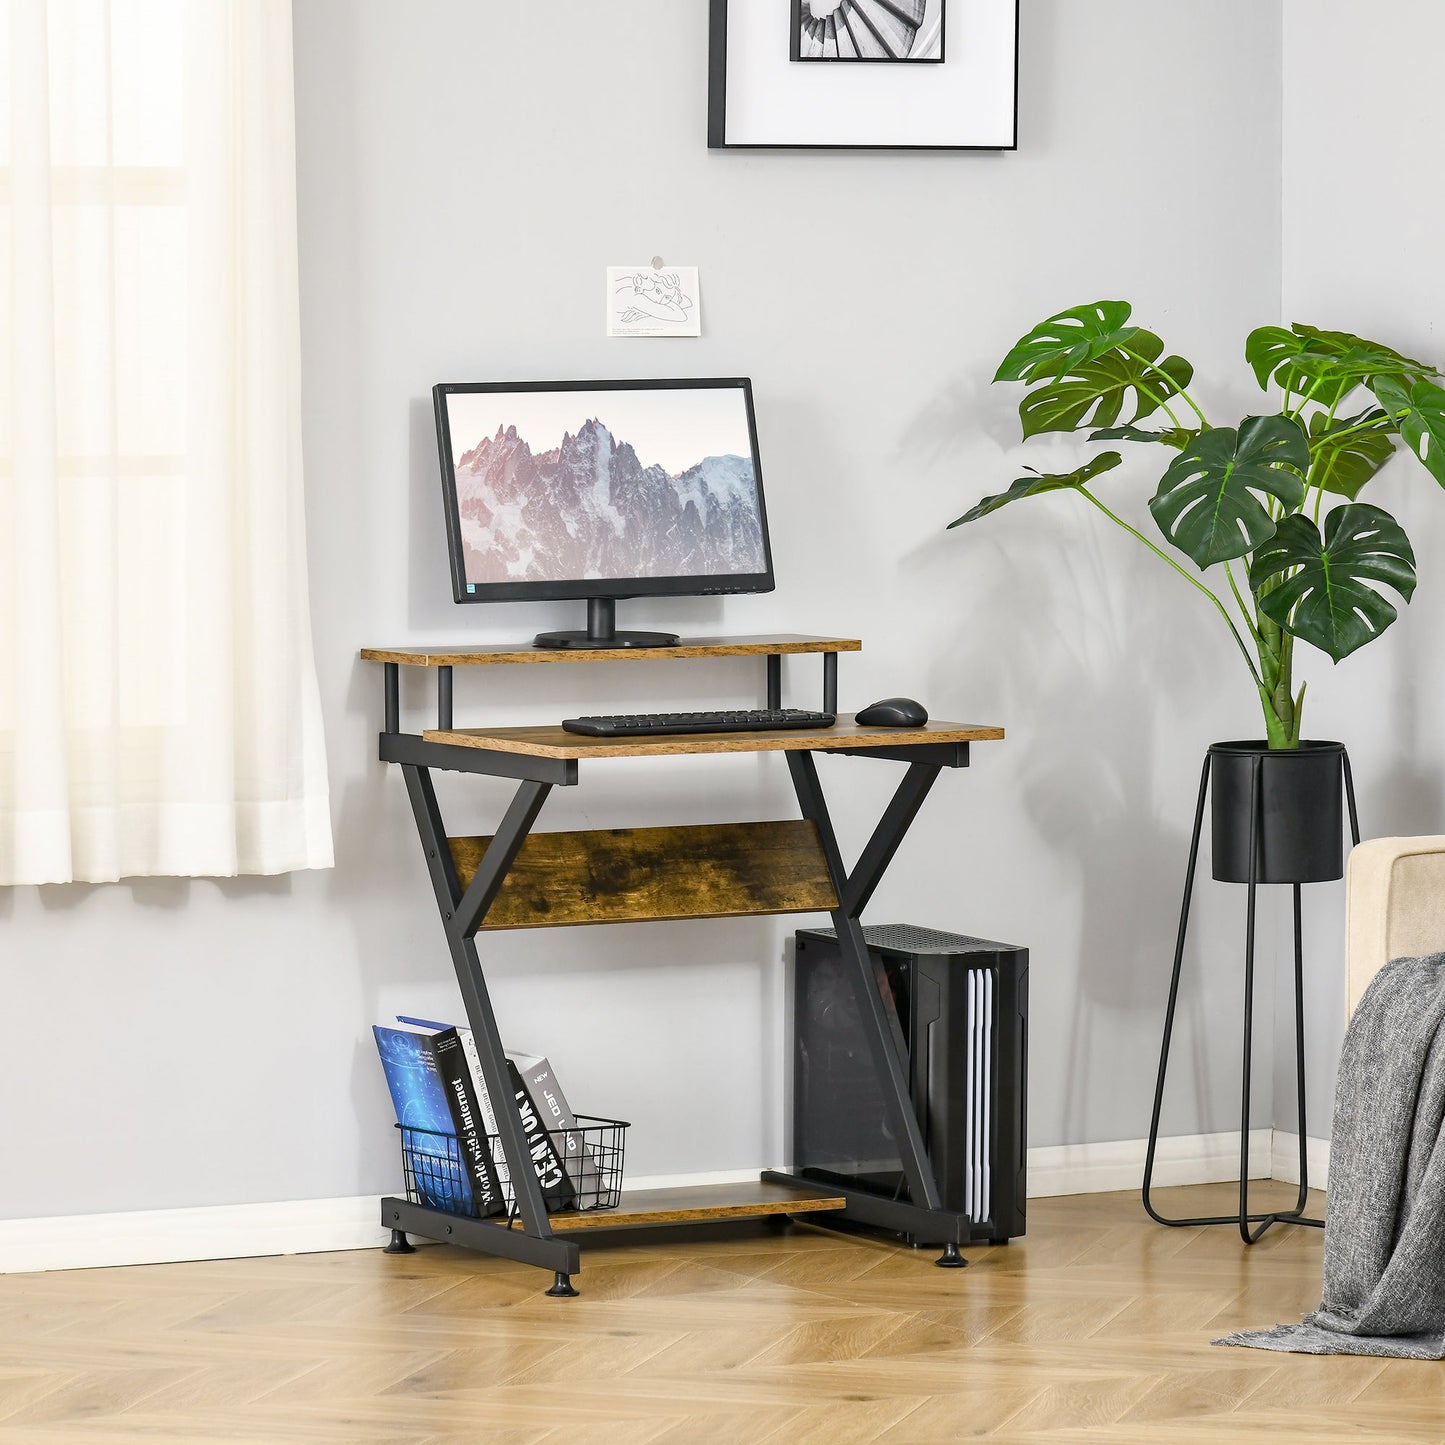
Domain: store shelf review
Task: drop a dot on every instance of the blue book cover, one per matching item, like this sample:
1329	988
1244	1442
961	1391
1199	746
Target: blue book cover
419	1095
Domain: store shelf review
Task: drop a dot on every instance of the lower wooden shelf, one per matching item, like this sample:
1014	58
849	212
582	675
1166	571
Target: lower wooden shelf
639	1209
701	1204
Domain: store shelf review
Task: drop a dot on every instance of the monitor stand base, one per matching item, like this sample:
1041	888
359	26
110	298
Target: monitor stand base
585	641
602	632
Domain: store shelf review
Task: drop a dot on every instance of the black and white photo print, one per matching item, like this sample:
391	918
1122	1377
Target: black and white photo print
864	30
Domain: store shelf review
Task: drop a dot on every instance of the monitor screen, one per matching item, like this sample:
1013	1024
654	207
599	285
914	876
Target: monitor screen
589	489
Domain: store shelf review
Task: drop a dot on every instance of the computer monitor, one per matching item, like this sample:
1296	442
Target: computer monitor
599	490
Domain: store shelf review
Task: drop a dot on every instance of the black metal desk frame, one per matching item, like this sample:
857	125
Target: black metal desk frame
463	913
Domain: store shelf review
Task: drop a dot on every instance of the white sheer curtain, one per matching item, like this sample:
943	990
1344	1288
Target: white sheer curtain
158	702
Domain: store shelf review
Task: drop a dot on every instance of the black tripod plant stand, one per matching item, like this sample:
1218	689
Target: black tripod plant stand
1276	819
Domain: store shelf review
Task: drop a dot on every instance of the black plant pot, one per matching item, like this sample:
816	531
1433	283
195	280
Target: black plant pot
1299	819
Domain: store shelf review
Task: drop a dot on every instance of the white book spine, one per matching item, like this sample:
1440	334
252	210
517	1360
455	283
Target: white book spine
489	1116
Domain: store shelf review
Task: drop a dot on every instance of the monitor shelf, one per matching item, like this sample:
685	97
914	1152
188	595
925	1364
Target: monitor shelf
502	652
443	660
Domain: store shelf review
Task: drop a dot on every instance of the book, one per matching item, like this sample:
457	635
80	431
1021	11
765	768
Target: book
559	1120
558	1191
471	1130
484	1102
419	1096
463	1117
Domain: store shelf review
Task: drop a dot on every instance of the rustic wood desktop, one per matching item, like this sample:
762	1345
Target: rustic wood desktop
520	879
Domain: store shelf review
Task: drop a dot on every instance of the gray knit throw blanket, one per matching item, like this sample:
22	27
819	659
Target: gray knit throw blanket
1384	1284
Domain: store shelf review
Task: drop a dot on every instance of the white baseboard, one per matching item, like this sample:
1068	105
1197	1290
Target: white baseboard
1119	1164
314	1226
165	1236
1285	1159
226	1231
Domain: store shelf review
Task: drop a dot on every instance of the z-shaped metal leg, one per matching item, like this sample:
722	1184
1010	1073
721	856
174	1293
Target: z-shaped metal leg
462	915
854	890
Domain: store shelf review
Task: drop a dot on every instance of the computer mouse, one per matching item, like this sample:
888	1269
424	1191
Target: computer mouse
894	712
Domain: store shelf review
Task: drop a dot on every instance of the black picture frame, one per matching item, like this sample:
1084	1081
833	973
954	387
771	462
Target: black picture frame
847	16
717	113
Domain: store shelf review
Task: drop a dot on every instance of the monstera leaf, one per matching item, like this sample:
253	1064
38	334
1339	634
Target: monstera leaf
1177	437
1345	459
1068	340
1419	412
1371	358
1267	348
1037	483
1209	501
1325	365
1273	352
1095	392
1316	588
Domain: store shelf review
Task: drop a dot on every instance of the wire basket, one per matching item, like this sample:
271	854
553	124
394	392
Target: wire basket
436	1177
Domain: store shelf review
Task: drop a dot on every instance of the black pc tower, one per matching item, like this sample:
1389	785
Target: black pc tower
961	1007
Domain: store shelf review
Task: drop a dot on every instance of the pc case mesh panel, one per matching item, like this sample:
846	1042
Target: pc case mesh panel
910	938
964	1064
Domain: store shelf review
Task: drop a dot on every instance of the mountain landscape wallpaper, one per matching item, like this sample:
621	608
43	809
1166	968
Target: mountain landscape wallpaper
597	503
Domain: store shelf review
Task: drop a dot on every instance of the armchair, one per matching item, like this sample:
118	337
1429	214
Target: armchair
1394	907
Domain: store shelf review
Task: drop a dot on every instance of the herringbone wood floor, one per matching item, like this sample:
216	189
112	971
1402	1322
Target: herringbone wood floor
1094	1328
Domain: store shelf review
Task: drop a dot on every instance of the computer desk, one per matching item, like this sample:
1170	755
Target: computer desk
517	878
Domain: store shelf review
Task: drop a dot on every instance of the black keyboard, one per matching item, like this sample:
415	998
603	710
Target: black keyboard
751	720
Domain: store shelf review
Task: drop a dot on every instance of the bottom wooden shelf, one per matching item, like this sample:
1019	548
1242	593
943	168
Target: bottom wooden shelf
640	1209
701	1204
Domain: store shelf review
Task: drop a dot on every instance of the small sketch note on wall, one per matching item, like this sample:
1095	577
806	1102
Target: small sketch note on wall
653	301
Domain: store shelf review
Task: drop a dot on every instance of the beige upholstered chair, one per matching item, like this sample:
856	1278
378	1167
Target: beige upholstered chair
1394	907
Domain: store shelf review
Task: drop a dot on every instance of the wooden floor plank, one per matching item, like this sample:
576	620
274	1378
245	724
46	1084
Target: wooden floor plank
1096	1327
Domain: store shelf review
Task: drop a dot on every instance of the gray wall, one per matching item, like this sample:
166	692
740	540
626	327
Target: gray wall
1363	254
466	171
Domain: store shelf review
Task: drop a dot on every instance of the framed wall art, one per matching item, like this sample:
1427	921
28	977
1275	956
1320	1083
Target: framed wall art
863	74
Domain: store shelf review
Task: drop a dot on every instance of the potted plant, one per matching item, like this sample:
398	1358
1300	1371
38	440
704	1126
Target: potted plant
1267	510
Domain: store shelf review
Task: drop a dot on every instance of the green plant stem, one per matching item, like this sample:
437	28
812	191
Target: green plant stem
1373	425
1192	581
1306	397
1275	645
1286	706
1276	661
1158	401
1179	390
1314	464
1249	621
